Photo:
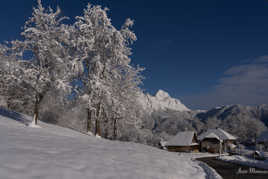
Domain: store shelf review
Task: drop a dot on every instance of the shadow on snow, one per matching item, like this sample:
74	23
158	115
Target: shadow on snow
12	115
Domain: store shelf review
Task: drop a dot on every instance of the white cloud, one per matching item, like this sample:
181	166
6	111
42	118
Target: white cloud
245	84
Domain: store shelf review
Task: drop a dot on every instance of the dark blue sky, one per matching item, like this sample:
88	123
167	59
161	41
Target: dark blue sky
187	47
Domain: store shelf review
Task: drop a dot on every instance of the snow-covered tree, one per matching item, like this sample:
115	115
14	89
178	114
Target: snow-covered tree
42	59
10	74
51	54
110	81
2	69
124	107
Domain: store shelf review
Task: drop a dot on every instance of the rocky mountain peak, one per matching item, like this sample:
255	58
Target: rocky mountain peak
161	94
160	102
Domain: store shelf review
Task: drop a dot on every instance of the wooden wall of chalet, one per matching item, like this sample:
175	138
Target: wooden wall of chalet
213	145
194	148
210	145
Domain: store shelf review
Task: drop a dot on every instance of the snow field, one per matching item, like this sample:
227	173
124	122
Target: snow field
55	152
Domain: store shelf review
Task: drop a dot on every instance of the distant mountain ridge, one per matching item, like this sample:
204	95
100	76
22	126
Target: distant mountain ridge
167	116
245	122
160	102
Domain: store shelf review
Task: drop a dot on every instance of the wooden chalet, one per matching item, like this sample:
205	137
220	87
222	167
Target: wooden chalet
183	142
216	141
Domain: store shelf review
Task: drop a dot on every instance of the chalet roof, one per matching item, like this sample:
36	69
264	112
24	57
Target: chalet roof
182	139
221	134
263	137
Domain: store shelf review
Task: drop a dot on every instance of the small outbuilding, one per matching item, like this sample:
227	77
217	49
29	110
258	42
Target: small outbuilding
217	141
183	142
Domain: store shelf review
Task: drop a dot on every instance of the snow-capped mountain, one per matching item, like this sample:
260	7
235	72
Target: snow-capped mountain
161	101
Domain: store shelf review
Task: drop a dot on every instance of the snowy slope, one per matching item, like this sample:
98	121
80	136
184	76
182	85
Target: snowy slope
55	152
161	101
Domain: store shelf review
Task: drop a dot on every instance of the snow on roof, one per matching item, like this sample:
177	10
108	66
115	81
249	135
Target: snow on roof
221	134
182	139
263	137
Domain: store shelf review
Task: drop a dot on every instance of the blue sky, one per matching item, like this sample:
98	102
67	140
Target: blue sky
187	47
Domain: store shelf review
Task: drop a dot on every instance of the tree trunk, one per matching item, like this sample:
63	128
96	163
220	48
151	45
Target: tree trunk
99	119
36	109
106	124
89	116
38	99
115	129
97	123
96	126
